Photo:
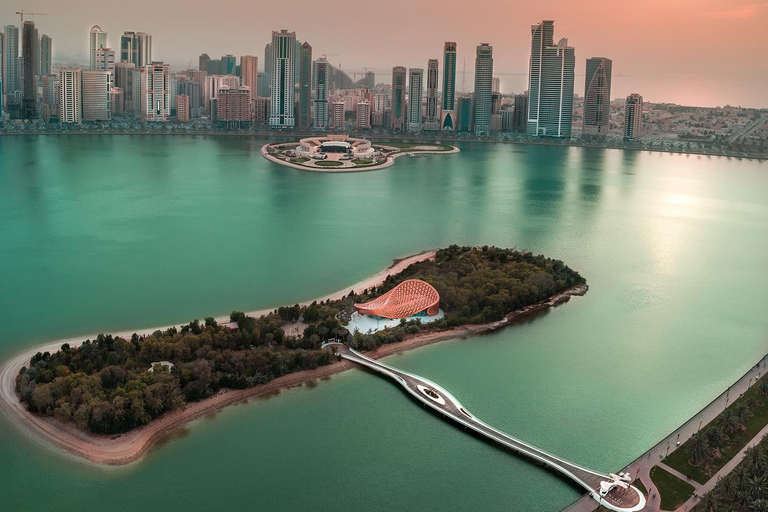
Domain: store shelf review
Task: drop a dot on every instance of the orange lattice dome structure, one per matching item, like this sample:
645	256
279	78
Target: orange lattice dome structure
406	299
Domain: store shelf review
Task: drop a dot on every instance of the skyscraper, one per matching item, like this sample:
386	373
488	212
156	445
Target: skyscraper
98	39
550	83
203	62
70	110
11	80
398	98
124	80
597	96
193	91
136	47
182	108
464	113
155	93
305	87
29	77
213	83
431	119
105	60
283	79
337	115
363	115
249	71
46	55
483	89
321	94
95	91
234	105
415	92
448	116
268	59
263	85
228	64
633	118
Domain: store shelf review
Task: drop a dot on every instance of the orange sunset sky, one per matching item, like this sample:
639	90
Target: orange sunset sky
696	52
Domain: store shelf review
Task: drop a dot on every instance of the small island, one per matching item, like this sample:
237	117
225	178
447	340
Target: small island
341	153
86	398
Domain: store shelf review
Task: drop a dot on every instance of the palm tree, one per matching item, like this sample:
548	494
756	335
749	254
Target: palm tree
764	387
714	436
758	506
743	413
728	421
757	485
709	502
698	449
726	488
755	460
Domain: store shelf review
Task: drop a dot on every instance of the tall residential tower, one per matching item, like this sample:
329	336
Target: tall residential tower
633	118
597	96
550	83
483	89
98	39
398	99
320	85
431	116
305	87
448	116
415	93
283	79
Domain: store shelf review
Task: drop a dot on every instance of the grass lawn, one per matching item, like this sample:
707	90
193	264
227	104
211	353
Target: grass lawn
324	163
673	491
299	160
679	458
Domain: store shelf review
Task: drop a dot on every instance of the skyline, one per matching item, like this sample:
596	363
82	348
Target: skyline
662	68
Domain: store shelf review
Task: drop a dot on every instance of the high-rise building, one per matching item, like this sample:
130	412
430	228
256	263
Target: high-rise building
363	115
464	113
215	67
320	86
496	85
213	83
194	93
261	110
203	62
337	115
98	39
283	79
495	102
96	101
11	79
263	86
70	109
550	83
182	108
483	89
155	93
234	105
29	77
398	99
633	118
415	93
228	64
51	98
249	71
268	62
597	96
380	102
46	55
105	60
448	116
124	80
116	100
136	47
520	115
305	87
431	114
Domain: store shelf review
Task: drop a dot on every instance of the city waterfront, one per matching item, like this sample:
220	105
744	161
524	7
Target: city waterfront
104	233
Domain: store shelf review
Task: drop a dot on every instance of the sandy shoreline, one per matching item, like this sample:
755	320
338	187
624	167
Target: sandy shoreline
129	447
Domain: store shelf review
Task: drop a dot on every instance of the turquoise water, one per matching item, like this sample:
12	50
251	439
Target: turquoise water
114	232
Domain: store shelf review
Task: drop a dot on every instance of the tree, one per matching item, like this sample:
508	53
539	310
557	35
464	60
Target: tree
728	421
714	436
697	449
709	502
755	460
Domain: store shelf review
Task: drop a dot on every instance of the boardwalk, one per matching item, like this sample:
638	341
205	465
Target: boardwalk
612	491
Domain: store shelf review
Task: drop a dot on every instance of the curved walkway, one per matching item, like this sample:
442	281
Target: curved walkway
348	166
617	494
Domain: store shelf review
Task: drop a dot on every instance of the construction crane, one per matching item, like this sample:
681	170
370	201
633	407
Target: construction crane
23	12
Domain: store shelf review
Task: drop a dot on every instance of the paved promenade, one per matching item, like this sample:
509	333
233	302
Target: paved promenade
641	467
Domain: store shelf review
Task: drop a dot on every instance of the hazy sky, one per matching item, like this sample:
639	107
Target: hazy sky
698	52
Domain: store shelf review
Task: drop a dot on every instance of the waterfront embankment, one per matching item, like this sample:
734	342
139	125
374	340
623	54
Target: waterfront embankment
131	446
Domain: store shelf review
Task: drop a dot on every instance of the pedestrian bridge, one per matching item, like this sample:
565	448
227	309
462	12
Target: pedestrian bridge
613	491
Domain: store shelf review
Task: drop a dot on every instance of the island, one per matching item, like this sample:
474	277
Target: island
109	399
341	153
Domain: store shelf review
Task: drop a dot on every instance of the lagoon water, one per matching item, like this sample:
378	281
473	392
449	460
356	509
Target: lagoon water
105	233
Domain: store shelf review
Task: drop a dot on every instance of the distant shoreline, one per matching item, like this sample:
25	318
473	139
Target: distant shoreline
424	138
133	445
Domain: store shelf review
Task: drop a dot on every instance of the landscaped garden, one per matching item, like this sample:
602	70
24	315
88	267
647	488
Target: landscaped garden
707	451
673	492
